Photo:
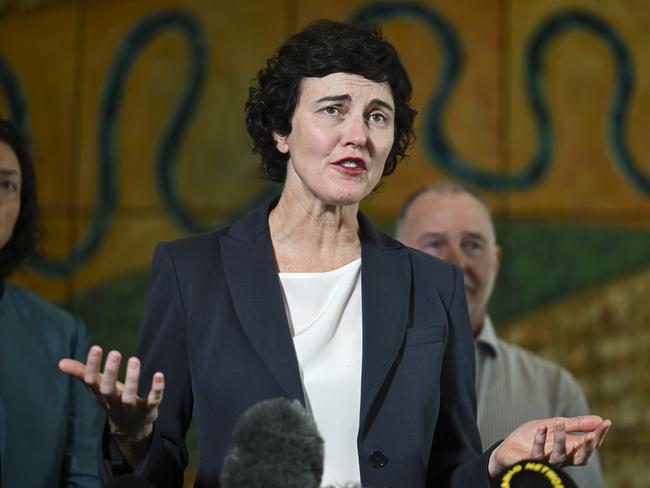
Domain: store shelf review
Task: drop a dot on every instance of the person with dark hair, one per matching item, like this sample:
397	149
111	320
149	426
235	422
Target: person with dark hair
315	53
18	233
49	427
304	299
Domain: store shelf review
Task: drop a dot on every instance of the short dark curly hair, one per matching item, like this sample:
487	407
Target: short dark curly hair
22	244
322	48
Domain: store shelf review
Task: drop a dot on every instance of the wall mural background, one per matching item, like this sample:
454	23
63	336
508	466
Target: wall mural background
135	109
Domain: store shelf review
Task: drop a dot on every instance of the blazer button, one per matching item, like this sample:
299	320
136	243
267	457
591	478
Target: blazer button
377	459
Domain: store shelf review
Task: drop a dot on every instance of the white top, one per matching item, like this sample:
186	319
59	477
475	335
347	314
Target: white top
324	312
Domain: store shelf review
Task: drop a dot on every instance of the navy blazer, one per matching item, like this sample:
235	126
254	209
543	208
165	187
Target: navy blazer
215	324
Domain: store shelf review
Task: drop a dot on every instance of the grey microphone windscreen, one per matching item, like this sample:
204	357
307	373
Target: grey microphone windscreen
275	444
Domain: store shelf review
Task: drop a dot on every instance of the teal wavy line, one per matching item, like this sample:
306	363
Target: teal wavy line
624	73
170	142
435	140
167	147
127	53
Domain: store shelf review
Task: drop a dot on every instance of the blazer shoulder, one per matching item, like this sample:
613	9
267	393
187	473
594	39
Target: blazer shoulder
435	273
198	245
245	229
189	256
200	255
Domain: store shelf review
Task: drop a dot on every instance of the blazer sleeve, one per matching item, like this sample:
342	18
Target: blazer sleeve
161	347
455	458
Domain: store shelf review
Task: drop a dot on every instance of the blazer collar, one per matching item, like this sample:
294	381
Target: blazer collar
256	224
250	270
252	277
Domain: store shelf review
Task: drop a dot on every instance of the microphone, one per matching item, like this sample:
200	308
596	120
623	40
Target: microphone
533	473
275	444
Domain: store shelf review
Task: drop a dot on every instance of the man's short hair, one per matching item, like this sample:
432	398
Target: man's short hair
443	186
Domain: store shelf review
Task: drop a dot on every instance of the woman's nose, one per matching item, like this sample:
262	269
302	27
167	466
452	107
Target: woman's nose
355	132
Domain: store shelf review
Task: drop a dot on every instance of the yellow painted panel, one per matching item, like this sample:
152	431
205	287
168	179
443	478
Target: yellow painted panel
48	76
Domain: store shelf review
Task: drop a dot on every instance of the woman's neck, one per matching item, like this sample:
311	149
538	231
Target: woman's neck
312	236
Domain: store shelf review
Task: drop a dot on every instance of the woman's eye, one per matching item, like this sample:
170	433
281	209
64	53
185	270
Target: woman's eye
8	186
331	110
378	118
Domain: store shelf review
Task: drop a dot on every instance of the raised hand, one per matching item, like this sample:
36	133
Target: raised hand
130	417
561	441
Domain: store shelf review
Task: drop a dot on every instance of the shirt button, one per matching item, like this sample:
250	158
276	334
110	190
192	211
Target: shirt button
377	459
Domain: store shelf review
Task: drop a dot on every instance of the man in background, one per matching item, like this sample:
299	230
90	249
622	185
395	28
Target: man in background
454	223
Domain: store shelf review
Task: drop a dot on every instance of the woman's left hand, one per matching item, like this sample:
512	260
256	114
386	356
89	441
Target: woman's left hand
561	441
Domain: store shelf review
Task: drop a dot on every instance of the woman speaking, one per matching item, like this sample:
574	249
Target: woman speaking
304	299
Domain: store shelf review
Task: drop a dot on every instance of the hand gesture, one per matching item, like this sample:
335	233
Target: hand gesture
560	441
130	417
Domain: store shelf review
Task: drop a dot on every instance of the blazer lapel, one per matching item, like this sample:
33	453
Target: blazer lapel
249	267
386	287
250	271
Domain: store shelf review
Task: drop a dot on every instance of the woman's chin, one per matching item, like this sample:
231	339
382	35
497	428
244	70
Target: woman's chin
348	196
344	200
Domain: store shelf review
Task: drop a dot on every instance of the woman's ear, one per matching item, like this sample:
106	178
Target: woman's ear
281	143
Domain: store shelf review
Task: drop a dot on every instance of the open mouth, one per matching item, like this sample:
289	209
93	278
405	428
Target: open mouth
351	165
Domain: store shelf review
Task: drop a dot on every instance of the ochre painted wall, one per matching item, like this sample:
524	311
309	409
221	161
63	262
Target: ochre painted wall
98	84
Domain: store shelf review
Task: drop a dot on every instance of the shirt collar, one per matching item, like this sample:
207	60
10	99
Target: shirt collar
487	337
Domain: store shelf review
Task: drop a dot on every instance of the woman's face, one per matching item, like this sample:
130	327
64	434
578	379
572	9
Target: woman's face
342	132
9	192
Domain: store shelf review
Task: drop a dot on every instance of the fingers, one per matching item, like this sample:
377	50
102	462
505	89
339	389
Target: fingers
601	432
539	441
72	367
584	423
105	387
559	454
130	391
572	440
109	378
584	451
577	449
157	389
91	371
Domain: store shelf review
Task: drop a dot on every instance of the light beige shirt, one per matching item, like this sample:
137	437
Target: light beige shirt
514	385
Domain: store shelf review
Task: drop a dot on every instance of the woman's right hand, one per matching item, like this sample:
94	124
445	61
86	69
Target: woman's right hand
130	417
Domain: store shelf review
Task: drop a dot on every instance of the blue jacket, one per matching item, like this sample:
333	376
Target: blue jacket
49	424
215	325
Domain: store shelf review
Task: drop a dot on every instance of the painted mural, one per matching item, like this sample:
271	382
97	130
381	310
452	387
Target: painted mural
135	109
